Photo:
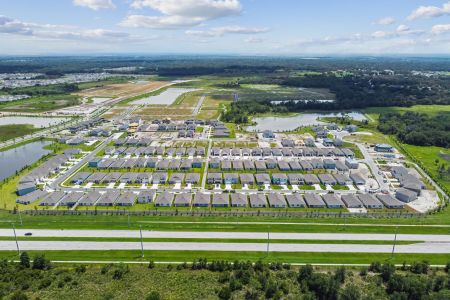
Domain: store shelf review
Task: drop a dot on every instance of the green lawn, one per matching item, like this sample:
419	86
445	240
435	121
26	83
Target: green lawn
428	155
188	256
13	131
374	112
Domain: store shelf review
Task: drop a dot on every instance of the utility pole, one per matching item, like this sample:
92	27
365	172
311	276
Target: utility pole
142	243
395	241
20	217
268	243
15	237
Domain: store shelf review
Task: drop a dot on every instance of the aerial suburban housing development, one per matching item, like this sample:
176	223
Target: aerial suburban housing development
224	149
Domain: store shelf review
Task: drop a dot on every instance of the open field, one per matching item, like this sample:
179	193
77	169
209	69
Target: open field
122	89
374	112
189	256
212	105
275	92
40	103
8	132
431	158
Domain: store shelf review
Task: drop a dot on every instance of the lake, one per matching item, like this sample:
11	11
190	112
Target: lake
37	122
291	123
15	159
165	98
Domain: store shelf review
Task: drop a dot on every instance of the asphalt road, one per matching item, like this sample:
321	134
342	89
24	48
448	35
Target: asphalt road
226	235
431	248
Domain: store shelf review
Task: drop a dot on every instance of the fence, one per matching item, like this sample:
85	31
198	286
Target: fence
256	213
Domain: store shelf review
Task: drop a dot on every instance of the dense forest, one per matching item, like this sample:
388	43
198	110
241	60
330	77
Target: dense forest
207	64
40	279
417	129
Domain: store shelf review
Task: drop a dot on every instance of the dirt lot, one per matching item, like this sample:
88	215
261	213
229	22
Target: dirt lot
122	89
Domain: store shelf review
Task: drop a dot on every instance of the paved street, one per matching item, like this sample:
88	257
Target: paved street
227	235
435	248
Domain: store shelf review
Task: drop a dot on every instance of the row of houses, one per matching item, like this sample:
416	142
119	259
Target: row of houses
85	125
166	127
27	183
284	179
95	198
142	162
282	165
130	141
186	199
155	151
287	152
135	178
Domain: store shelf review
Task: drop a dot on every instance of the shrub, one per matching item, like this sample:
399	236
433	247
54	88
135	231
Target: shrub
224	293
80	269
375	267
154	295
151	264
419	267
387	270
339	274
24	260
41	263
19	296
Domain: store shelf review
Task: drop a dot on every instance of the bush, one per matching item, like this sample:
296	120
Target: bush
387	270
19	296
45	283
80	269
305	272
224	293
447	267
41	263
420	267
363	272
151	264
154	295
24	260
375	267
339	274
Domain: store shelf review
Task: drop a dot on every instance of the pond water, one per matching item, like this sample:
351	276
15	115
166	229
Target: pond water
37	122
165	98
17	158
291	123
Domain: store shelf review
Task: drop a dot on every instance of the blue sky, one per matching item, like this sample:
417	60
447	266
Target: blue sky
271	27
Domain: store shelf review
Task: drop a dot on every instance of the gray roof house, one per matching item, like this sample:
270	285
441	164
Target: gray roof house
182	200
262	178
159	177
53	198
357	179
327	179
108	198
295	200
333	201
311	179
214	178
351	201
202	200
314	201
370	201
276	200
89	199
405	195
126	199
192	178
220	200
164	199
247	178
296	178
239	200
146	196
176	178
390	202
258	200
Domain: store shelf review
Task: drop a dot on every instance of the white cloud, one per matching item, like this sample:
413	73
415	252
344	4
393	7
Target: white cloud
95	4
440	29
401	30
385	21
165	22
47	31
220	31
181	13
430	12
254	40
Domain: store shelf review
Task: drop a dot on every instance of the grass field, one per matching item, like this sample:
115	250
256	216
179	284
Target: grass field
188	256
119	89
41	103
212	105
231	223
374	112
8	132
428	155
